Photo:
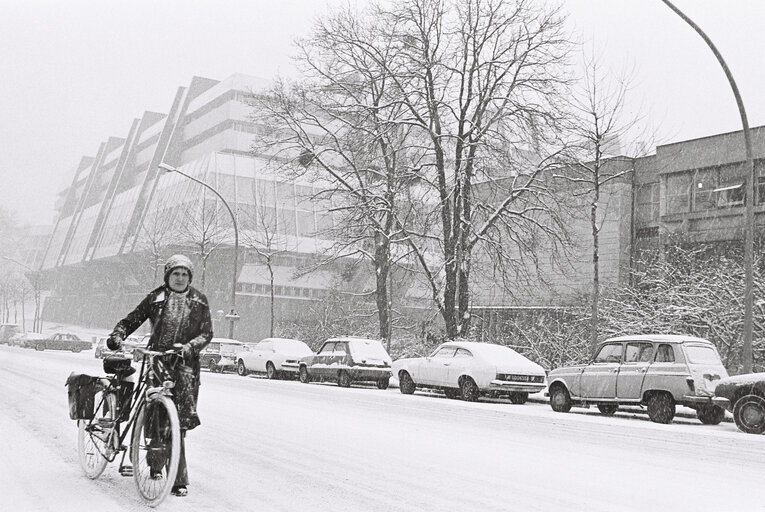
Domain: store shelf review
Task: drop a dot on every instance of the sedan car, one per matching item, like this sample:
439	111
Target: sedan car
57	341
7	331
654	370
746	396
274	357
470	369
346	360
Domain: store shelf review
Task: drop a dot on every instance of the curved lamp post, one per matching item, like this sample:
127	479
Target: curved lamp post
747	353
37	322
232	315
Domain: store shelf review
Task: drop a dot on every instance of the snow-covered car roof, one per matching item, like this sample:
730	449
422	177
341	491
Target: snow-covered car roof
493	352
665	338
226	341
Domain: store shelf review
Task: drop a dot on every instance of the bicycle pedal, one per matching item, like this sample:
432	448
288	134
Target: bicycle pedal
126	470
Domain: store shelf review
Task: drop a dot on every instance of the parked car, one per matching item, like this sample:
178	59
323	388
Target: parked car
657	371
128	345
346	360
746	396
274	357
7	331
471	369
220	354
26	339
57	341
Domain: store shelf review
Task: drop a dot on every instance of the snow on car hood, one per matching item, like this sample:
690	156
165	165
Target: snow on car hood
744	378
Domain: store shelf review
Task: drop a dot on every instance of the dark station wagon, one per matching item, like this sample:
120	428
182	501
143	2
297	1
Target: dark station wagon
347	359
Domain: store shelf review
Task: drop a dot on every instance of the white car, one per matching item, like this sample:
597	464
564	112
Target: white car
274	357
471	369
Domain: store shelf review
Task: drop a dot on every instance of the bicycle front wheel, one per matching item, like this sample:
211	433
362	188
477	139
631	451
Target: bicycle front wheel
156	449
96	437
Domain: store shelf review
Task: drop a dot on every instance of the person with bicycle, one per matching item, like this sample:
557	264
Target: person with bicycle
179	314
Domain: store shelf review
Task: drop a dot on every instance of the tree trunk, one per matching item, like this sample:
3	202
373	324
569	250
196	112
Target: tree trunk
595	268
271	283
382	267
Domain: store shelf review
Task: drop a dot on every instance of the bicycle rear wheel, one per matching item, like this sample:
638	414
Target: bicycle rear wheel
156	449
96	437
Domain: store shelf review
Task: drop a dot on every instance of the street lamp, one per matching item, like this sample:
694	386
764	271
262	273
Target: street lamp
232	316
747	352
37	322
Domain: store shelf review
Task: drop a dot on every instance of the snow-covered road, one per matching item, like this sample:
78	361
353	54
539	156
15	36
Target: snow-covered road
275	445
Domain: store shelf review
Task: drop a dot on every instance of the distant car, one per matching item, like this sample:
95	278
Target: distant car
658	371
128	345
346	360
274	357
57	341
220	354
7	331
470	370
746	396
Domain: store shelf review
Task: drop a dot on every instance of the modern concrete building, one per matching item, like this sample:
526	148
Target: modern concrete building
121	217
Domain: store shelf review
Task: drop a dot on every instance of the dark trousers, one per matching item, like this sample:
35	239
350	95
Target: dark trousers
182	478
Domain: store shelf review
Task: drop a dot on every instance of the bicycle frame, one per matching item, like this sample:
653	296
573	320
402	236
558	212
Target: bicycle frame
155	378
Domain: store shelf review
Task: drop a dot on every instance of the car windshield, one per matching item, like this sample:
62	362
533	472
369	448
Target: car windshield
699	354
293	346
369	349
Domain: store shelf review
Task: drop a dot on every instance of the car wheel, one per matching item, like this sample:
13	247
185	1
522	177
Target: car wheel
382	382
749	414
607	409
405	383
344	379
469	390
710	414
661	408
303	375
452	393
241	369
40	347
270	370
519	397
211	365
560	400
76	350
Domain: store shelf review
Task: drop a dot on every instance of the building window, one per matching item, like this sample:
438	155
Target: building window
732	195
647	203
679	193
704	185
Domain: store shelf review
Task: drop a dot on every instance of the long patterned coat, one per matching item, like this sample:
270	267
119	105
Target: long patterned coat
195	330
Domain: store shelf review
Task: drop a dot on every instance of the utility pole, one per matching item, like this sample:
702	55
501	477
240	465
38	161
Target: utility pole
747	351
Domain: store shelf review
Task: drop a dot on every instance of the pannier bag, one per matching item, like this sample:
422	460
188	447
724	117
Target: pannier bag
82	395
119	365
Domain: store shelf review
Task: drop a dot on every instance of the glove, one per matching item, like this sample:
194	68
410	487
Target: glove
187	352
113	342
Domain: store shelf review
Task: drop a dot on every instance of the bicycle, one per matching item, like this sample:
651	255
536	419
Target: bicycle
145	410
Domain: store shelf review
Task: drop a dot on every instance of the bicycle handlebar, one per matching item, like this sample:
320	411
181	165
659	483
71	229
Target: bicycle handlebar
177	349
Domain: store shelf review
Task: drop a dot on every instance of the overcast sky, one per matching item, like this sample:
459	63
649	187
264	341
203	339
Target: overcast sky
75	72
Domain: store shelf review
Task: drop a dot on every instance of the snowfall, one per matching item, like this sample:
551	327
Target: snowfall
286	446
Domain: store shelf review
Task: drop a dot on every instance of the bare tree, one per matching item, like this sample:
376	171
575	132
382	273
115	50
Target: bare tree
419	101
204	225
482	90
344	124
263	238
156	235
599	128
